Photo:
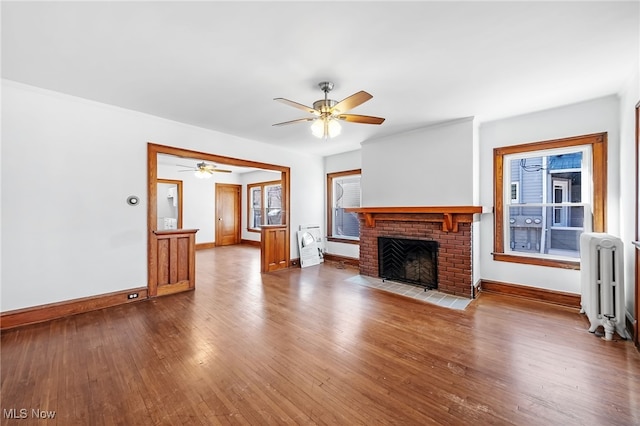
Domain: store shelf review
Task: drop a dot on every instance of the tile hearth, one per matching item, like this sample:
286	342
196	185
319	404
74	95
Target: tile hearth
431	296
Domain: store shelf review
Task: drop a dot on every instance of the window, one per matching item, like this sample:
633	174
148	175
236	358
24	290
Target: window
343	191
546	195
265	204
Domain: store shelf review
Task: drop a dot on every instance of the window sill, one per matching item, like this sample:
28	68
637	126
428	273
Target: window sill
342	240
553	263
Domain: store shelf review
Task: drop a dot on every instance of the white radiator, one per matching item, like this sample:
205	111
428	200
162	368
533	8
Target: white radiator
602	282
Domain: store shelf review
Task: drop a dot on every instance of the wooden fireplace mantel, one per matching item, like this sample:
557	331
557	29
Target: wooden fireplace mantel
449	216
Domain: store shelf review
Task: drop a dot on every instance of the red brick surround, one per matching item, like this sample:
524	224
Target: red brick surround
454	254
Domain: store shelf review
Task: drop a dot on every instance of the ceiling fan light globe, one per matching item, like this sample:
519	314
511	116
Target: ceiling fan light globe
334	128
200	174
317	128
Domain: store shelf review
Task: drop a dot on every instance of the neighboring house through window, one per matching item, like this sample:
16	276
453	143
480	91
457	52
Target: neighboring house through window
343	191
265	204
546	195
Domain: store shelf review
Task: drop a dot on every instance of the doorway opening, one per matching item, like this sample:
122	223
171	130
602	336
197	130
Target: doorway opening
155	150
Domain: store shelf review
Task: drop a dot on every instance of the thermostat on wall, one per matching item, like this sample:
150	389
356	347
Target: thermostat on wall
132	200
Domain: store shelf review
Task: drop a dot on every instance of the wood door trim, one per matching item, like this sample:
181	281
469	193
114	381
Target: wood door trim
238	211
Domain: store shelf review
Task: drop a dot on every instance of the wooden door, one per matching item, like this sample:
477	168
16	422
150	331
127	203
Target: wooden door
227	214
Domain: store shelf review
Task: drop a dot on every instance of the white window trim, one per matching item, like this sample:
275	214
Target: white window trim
331	177
586	195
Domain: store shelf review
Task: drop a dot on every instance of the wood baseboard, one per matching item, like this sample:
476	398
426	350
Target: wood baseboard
250	243
334	258
343	260
202	246
543	295
42	313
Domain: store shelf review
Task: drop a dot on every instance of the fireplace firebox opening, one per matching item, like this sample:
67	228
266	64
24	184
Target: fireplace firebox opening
407	260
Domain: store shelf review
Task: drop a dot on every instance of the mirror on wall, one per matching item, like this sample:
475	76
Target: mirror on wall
169	201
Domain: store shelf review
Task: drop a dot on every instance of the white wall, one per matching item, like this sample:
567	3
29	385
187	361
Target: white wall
432	166
476	270
351	160
630	96
599	115
609	114
199	196
68	165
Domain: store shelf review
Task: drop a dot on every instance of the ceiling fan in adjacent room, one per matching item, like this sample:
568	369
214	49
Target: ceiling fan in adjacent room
327	112
203	170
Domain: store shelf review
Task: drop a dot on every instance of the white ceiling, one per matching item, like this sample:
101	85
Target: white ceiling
219	65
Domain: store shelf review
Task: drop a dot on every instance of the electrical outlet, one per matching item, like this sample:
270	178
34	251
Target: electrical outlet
132	296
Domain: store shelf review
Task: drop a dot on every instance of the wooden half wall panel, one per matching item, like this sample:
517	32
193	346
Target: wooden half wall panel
274	247
173	256
174	253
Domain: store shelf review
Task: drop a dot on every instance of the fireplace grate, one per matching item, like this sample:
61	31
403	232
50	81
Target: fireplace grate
410	261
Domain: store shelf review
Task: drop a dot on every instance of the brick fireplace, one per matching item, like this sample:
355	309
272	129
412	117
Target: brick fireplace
449	226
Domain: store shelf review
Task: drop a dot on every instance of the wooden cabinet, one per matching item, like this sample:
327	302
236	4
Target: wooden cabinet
274	247
173	261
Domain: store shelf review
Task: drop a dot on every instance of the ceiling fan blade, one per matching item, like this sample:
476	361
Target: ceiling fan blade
365	119
297	105
352	101
211	168
299	120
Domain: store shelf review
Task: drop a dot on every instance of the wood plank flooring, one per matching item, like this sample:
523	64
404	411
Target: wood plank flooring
305	346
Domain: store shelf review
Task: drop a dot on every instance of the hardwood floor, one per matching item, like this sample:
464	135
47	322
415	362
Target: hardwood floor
305	346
